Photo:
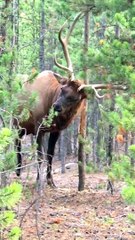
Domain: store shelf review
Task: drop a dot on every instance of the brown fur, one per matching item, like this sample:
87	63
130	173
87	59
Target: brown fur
48	89
50	93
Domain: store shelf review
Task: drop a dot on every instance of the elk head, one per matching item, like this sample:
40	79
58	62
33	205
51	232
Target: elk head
74	91
69	97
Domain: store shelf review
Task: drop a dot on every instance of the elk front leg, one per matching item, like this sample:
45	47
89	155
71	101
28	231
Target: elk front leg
40	154
19	156
50	153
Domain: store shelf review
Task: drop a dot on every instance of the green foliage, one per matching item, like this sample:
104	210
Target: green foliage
123	170
128	193
124	116
90	168
114	118
6	137
9	197
108	220
110	59
131	218
132	150
111	52
86	143
49	120
15	233
7	154
33	76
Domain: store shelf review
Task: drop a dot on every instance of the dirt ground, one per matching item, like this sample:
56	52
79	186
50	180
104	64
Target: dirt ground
66	214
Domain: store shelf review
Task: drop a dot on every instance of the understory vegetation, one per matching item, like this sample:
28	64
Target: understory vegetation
102	49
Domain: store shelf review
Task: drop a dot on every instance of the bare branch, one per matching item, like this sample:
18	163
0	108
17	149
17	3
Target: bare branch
26	211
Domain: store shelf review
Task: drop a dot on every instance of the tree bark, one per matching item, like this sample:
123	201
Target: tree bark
75	136
109	150
62	152
132	142
42	37
15	35
81	158
83	119
3	26
5	14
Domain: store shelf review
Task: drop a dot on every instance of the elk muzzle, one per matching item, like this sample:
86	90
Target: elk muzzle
57	107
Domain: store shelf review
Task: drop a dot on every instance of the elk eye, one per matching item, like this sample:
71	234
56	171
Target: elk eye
72	99
63	91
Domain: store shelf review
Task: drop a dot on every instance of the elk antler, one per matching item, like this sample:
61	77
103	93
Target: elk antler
64	43
96	87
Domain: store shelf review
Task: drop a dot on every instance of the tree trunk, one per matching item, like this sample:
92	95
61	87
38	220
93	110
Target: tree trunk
132	142
69	140
95	138
75	136
109	150
42	37
81	158
15	35
8	34
62	153
81	154
98	140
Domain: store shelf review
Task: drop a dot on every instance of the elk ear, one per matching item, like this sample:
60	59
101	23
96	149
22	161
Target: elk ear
82	93
62	80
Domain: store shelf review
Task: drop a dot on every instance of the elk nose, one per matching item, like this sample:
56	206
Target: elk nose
57	107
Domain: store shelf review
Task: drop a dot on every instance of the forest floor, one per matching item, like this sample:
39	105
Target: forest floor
66	214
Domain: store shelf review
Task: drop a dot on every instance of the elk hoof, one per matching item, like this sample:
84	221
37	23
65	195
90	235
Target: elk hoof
51	183
18	172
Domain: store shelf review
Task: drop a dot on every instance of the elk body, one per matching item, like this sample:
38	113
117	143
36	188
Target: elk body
64	98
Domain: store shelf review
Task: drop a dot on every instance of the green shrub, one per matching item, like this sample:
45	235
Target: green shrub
9	197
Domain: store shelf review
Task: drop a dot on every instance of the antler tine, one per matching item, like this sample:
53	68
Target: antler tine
64	43
95	87
97	94
60	65
103	86
73	24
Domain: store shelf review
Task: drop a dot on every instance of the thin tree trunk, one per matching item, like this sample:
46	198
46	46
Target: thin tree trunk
62	152
132	142
126	144
69	140
110	128
94	127
5	15
81	158
88	131
81	154
42	37
109	150
75	136
15	34
3	25
98	140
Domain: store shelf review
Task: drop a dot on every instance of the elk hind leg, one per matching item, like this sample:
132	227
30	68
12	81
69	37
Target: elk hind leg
19	156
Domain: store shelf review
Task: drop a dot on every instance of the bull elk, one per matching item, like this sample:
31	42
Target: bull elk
65	95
